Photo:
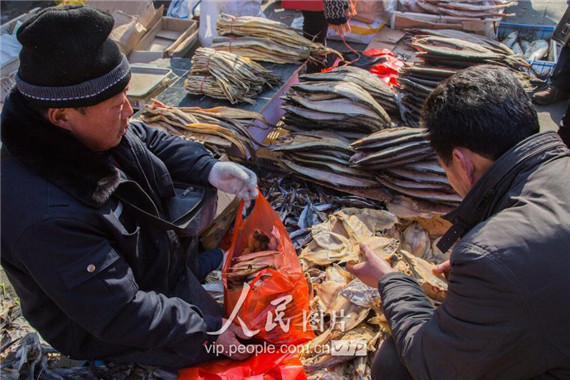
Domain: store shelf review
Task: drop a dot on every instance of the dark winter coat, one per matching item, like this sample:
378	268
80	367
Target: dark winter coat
506	311
97	278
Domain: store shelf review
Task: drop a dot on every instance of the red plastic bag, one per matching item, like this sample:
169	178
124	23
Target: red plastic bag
388	70
275	305
266	366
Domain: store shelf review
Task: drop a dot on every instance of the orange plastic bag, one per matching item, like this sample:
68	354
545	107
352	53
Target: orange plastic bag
274	307
266	366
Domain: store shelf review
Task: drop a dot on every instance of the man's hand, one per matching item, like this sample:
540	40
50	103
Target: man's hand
235	179
228	339
372	269
443	268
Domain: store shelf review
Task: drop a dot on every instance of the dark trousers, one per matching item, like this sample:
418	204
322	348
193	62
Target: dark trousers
315	28
561	75
387	364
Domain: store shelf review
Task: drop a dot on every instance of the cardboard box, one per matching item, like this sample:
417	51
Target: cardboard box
486	27
168	37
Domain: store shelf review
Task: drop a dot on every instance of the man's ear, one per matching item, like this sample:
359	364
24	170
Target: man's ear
59	117
463	161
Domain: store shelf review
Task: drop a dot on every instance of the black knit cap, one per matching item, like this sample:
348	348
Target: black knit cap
67	59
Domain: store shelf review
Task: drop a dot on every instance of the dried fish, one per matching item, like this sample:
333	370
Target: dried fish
267	40
225	75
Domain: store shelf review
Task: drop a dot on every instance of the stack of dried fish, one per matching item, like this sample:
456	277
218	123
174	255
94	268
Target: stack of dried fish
443	53
219	128
457	52
466	8
341	106
266	40
369	82
343	309
405	163
322	157
224	75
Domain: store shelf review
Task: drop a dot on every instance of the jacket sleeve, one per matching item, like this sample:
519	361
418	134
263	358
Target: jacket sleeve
334	11
473	332
186	160
78	269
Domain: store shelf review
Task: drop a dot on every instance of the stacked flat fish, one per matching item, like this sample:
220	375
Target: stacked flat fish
416	83
341	106
224	75
261	39
405	163
379	90
321	156
443	53
466	8
218	128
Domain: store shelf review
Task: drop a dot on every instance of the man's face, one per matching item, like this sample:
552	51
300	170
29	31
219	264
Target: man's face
101	127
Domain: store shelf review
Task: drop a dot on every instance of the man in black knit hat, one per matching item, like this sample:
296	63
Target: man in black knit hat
96	241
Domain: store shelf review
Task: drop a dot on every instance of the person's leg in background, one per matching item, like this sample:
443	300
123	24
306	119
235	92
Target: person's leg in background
315	28
560	81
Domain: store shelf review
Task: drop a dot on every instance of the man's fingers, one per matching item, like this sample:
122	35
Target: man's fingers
238	331
235	349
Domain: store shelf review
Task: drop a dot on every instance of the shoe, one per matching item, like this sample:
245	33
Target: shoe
549	95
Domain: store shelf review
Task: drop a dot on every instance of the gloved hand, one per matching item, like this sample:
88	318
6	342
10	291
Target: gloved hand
235	179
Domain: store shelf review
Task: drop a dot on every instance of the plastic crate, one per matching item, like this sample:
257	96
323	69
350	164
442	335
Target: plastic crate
543	68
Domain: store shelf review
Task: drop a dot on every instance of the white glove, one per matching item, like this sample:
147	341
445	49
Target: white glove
232	178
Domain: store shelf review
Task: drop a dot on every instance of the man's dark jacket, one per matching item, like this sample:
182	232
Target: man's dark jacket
506	314
97	278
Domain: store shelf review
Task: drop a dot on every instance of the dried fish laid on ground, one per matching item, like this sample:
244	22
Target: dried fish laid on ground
218	128
404	162
471	8
302	155
224	75
266	40
345	311
379	90
301	204
334	105
456	52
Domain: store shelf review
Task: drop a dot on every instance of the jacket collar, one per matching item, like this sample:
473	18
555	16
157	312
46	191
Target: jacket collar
487	195
56	155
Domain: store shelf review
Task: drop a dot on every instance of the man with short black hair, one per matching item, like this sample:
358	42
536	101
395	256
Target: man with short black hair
505	312
100	216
